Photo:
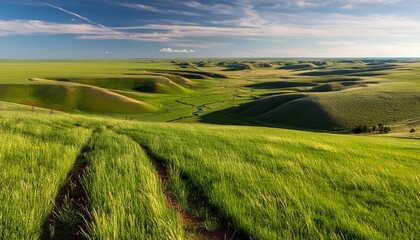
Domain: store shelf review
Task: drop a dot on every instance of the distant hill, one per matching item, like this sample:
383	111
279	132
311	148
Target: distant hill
72	98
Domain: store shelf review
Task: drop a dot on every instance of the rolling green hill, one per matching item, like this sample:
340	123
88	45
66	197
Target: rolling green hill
331	111
315	94
141	83
72	98
330	103
99	177
176	181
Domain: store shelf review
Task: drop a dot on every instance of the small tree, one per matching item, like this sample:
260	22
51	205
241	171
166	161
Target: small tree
412	130
358	129
380	128
374	128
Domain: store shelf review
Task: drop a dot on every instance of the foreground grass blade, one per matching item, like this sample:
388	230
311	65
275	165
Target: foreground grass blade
125	194
280	184
34	161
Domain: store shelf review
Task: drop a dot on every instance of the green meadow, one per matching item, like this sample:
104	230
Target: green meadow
209	149
322	95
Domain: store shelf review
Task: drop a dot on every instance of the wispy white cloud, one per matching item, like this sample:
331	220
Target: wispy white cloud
30	27
332	25
201	44
327	26
214	9
250	17
332	34
148	8
364	50
170	50
142	7
81	17
349	4
73	13
321	3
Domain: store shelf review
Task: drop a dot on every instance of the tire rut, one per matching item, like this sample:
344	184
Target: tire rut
193	225
68	217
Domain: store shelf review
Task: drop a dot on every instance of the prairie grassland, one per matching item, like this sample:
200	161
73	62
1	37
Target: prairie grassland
342	97
35	156
21	71
269	183
338	94
125	194
281	184
72	98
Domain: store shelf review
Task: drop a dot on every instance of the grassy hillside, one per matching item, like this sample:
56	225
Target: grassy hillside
329	111
72	98
336	100
35	156
141	83
317	94
126	197
264	183
276	184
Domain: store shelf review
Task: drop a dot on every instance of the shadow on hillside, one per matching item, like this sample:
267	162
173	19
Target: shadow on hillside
196	74
324	85
353	72
342	79
295	113
281	84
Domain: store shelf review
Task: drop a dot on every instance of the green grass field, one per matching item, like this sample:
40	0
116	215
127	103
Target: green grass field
209	149
263	183
310	94
34	161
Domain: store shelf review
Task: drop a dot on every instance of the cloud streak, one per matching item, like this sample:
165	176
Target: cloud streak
335	25
148	8
275	4
31	27
214	9
170	50
323	30
81	17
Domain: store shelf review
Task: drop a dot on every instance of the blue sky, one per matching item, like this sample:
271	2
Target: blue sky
82	29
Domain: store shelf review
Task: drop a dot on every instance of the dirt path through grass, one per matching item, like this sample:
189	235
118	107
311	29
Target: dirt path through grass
194	226
68	217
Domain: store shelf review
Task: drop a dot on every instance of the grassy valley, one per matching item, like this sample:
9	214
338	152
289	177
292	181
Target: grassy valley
209	149
324	95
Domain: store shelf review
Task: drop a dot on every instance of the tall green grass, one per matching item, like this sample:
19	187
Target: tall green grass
270	183
279	184
35	157
125	193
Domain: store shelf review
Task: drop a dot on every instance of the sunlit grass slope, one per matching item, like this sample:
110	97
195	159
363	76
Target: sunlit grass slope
141	83
315	94
270	183
35	156
333	111
330	100
126	197
281	184
72	98
20	71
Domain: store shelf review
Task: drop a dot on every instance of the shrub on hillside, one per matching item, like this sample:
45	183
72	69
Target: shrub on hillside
380	128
